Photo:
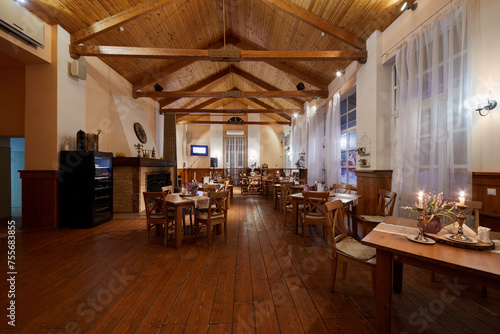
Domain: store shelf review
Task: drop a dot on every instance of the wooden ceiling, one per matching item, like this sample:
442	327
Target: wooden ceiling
208	54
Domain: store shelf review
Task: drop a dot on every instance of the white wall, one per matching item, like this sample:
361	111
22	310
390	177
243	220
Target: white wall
70	95
216	147
253	140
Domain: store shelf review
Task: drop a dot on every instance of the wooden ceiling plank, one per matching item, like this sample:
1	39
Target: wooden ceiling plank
264	85
232	123
244	94
117	20
194	87
248	45
196	54
230	111
318	22
150	79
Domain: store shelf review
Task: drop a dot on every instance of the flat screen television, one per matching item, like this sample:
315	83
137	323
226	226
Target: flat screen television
199	150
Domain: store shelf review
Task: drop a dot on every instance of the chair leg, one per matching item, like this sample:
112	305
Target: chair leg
325	236
334	271
344	269
225	232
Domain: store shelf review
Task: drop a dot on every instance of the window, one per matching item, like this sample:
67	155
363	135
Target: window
235	153
348	139
235	119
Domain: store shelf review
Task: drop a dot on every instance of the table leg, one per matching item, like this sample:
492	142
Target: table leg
383	292
178	226
295	216
397	276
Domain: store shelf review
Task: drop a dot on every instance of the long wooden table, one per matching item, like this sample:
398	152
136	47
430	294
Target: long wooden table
481	267
347	199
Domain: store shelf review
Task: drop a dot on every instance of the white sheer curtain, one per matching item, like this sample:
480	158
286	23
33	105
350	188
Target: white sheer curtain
235	152
296	138
332	141
433	128
315	151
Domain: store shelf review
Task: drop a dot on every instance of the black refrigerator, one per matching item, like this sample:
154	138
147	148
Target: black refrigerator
85	188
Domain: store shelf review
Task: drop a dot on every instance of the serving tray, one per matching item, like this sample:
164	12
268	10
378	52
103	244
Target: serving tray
474	246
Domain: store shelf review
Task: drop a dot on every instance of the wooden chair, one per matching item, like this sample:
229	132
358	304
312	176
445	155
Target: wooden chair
286	204
385	207
215	215
345	249
244	184
208	188
157	214
279	192
167	189
313	212
342	188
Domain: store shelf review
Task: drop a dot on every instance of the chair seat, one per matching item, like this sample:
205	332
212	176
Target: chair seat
204	216
354	248
315	217
290	207
157	216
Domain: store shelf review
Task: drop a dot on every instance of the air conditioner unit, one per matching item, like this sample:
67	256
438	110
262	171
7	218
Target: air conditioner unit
21	23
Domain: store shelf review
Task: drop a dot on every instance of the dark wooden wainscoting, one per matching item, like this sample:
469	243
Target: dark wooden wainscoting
490	214
39	199
369	182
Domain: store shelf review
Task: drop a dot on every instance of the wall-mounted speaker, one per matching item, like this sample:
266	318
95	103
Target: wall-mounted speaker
81	141
78	70
188	135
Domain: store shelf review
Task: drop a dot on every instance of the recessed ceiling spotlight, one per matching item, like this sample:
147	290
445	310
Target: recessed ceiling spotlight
340	73
413	6
295	115
323	34
121	29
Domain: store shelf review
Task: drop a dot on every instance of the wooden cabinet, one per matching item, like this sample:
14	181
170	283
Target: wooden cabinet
368	185
85	189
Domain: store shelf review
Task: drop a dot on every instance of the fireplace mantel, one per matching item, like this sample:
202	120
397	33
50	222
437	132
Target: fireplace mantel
143	162
130	180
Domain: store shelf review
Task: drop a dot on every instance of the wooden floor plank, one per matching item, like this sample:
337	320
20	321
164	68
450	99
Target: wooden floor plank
265	279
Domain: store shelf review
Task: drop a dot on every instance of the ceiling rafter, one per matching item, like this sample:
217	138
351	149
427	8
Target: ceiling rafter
248	45
150	79
116	20
229	111
77	51
242	94
318	22
233	123
265	85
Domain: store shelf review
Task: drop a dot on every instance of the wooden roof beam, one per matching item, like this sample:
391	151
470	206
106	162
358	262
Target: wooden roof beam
233	94
318	22
234	123
248	45
116	20
197	85
230	111
77	51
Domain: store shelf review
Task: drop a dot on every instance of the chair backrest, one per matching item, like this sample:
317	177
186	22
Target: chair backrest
314	202
302	181
218	203
471	213
155	204
334	215
342	188
286	190
286	182
167	189
386	201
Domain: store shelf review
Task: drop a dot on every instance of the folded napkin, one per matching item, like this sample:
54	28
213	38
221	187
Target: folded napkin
497	246
453	229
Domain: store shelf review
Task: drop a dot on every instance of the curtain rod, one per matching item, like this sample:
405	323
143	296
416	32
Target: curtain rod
421	24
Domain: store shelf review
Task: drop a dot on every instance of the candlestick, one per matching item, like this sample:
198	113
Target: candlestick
420	203
461	198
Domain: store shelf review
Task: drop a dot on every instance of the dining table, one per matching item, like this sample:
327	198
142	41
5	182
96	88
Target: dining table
394	249
179	202
297	188
349	201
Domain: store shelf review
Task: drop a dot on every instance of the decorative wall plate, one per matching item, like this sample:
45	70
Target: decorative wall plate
140	133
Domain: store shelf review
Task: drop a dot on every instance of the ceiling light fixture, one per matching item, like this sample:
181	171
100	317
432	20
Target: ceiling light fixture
323	34
413	6
340	73
157	87
121	29
295	115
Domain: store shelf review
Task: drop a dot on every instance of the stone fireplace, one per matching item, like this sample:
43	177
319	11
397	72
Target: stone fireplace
131	177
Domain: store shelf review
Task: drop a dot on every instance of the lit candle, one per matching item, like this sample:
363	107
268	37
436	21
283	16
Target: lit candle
194	175
462	198
420	203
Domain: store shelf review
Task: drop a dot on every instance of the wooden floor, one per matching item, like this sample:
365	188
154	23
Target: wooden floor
264	280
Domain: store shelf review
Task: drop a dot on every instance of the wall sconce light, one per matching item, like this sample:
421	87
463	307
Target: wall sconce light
413	6
489	106
340	73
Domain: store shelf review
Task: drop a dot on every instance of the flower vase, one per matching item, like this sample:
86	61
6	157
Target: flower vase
432	226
